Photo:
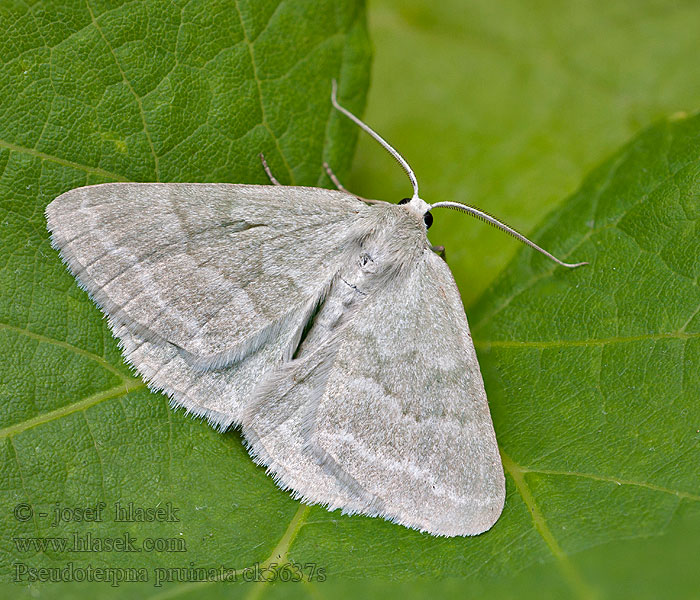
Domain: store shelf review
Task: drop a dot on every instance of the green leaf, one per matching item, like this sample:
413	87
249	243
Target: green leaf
591	374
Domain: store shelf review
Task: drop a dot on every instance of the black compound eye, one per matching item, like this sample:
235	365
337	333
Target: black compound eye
428	219
404	201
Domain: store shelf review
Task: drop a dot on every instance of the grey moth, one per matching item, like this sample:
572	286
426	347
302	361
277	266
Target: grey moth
324	325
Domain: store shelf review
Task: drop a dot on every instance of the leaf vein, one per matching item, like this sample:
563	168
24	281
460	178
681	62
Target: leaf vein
253	63
116	391
24	488
278	555
139	103
542	344
573	577
70	347
62	161
616	480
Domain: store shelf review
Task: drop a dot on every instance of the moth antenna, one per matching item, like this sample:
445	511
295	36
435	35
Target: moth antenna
480	214
399	159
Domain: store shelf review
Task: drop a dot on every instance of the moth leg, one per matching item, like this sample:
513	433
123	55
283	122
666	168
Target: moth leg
340	186
333	178
273	179
439	250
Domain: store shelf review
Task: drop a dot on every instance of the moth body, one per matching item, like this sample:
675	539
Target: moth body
325	327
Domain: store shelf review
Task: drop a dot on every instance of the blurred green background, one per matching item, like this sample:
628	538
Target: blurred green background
506	105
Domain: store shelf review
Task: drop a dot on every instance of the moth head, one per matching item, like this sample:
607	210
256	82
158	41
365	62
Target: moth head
420	208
